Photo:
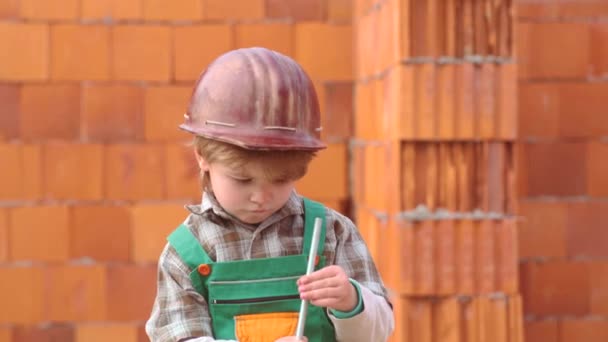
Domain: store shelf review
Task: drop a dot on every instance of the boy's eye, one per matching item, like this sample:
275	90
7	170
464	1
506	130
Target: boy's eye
242	180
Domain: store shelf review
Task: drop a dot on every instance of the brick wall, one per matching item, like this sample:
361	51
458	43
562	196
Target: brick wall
93	170
563	96
434	164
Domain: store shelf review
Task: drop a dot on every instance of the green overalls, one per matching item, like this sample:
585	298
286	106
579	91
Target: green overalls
256	300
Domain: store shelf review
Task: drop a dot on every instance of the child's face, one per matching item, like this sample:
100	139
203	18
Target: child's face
246	192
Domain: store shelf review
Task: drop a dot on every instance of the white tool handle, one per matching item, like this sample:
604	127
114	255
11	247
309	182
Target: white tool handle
309	269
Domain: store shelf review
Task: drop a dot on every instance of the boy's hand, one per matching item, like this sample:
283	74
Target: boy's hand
292	339
329	287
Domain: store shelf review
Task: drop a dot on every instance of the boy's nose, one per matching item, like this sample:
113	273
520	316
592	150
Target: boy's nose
261	195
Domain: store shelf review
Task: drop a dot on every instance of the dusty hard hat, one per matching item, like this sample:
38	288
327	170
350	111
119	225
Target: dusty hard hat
257	99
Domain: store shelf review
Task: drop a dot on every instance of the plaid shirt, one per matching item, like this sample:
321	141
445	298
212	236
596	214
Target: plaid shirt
180	312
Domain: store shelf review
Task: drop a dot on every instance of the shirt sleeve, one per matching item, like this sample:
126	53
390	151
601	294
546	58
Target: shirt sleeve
179	313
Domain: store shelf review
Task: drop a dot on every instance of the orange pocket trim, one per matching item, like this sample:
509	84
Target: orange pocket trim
265	327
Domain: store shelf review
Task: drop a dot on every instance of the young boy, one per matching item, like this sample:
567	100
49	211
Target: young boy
235	269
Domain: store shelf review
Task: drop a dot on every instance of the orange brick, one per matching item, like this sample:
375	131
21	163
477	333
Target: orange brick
3	236
112	112
425	266
599	288
9	9
30	230
182	173
543	159
336	119
325	51
192	57
505	94
581	109
6	334
141	53
471	320
555	288
163	112
152	224
506	256
10	111
420	321
465	101
32	42
326	176
58	10
401	311
175	10
43	333
444	98
278	37
542	230
597	167
134	172
22	173
587	237
22	294
100	232
114	9
126	302
339	11
484	95
562	10
538	110
445	236
545	330
50	111
552	60
588	330
80	52
465	257
73	171
234	9
599	49
296	10
106	332
485	262
424	104
446	320
77	292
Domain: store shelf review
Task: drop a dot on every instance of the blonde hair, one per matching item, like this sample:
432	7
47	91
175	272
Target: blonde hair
277	165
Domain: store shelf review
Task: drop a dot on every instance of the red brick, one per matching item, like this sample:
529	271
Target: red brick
100	232
545	331
339	11
505	93
163	112
471	320
587	236
555	288
3	236
421	320
30	230
106	332
151	225
141	53
552	60
278	37
326	176
496	156
465	257
562	9
44	333
447	320
548	164
542	229
401	252
77	293
588	330
486	102
425	90
538	110
57	10
173	11
114	9
126	302
32	171
80	52
9	9
134	172
581	109
50	111
183	181
22	294
446	257
32	42
296	10
112	112
73	171
191	57
234	9
10	112
325	51
336	118
599	288
425	261
22	175
465	101
444	101
506	256
599	48
485	260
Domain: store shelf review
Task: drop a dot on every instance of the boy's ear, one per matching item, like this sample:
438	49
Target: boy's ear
202	163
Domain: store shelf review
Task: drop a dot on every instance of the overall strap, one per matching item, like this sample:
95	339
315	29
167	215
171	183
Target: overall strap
188	247
313	210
